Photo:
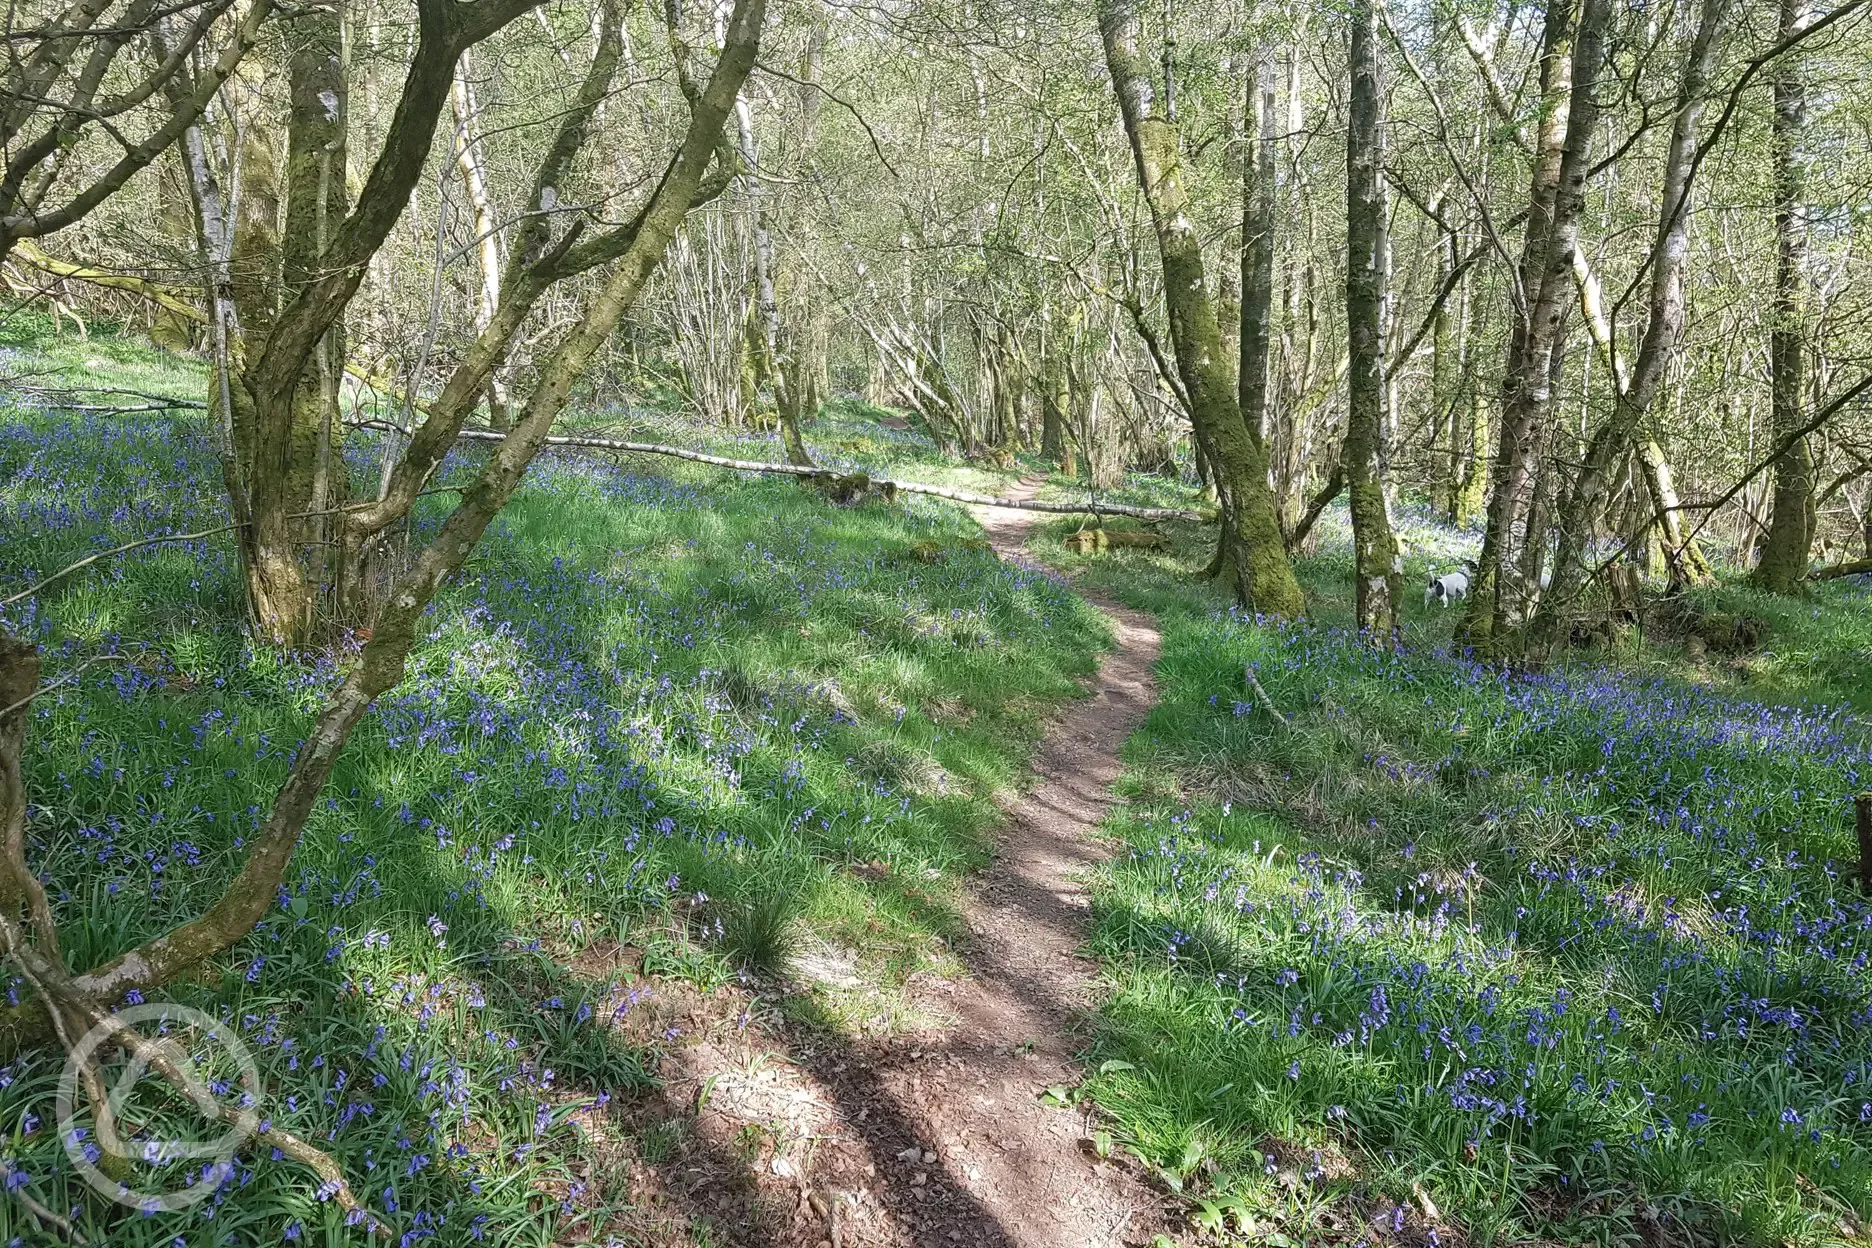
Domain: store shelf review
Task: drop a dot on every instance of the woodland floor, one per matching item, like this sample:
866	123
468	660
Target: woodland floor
943	1134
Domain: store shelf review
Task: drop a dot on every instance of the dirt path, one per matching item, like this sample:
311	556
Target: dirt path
940	1137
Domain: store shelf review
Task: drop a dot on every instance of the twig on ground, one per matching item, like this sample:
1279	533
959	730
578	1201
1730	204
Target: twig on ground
1261	696
70	568
43	1215
66	679
1857	567
58	394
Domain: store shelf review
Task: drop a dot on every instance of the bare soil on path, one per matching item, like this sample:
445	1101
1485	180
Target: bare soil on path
941	1136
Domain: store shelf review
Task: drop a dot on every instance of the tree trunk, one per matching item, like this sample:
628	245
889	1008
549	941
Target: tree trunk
764	337
1569	70
1791	523
1683	557
1055	399
809	324
1378	586
291	432
1264	578
487	233
1445	449
274	585
1663	331
1257	257
1470	420
1006	376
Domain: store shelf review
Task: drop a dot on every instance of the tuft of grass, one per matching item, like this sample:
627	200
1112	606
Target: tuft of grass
761	934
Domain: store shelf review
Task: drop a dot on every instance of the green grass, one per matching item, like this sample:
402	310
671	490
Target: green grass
705	720
1564	957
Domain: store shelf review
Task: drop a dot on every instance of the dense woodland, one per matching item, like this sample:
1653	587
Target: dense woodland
1579	288
1574	276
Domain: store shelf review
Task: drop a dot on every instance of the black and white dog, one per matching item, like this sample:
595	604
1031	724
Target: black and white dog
1449	587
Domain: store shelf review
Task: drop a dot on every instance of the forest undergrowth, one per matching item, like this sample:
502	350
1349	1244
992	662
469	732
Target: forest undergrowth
1457	955
702	718
1462	955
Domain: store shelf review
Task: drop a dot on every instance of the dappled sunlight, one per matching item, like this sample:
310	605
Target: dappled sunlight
655	712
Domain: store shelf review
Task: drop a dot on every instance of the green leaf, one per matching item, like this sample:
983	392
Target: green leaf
1113	1066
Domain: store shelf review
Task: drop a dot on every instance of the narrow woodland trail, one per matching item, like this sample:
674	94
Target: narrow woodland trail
940	1136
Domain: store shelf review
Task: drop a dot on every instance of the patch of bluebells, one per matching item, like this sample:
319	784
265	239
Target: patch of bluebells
1605	920
577	736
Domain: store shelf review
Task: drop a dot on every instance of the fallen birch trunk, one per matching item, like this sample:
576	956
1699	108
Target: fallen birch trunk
836	480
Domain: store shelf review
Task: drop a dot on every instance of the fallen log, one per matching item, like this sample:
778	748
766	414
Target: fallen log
1855	568
168	300
175	301
873	483
1085	541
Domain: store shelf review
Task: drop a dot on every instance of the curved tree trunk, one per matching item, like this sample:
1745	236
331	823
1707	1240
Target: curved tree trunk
1264	578
1634	395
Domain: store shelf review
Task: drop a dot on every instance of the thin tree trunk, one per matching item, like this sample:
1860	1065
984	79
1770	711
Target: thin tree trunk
1258	236
1378	586
487	231
1683	557
1471	417
809	323
764	336
1445	448
1055	402
1569	71
1791	523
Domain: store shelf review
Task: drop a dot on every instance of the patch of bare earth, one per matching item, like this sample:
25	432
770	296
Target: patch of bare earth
791	1135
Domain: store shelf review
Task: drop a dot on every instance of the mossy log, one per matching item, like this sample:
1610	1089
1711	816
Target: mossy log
1088	541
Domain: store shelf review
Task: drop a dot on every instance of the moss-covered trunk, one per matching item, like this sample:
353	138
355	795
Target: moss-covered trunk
286	438
1264	578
